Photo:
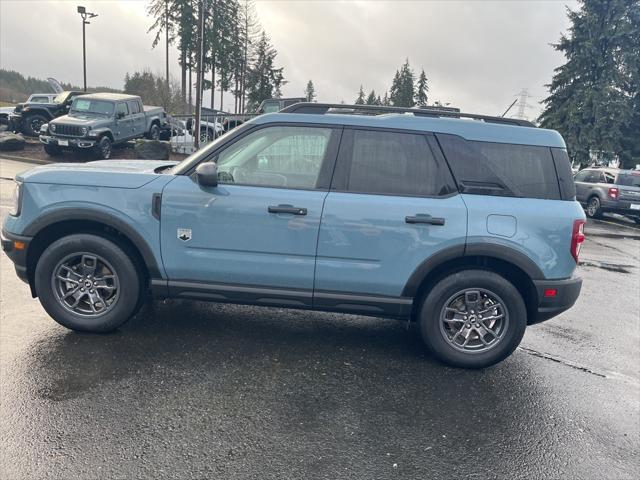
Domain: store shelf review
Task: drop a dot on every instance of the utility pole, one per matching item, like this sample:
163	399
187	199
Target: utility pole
196	133
166	33
84	14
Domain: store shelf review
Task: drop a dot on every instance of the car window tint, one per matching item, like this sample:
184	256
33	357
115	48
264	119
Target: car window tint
502	169
582	176
287	157
122	108
629	179
134	107
394	163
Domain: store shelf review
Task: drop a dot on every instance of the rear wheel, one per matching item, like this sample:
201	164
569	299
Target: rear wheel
473	319
88	283
103	149
594	209
154	132
52	150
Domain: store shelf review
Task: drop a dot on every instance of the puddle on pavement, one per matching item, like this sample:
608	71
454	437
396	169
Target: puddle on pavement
610	267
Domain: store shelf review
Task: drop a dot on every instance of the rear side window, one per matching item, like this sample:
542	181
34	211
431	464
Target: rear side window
502	169
392	163
134	107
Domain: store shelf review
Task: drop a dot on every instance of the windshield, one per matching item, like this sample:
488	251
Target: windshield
100	107
629	179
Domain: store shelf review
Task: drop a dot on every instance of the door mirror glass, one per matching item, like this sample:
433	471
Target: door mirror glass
207	174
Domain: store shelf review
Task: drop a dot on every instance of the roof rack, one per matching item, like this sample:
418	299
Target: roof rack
324	108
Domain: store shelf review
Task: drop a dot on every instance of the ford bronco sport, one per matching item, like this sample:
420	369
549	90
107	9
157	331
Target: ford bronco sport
465	224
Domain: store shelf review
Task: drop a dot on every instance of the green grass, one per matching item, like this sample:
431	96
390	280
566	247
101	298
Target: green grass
6	104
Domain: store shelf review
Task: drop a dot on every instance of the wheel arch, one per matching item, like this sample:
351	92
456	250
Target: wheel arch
58	224
505	261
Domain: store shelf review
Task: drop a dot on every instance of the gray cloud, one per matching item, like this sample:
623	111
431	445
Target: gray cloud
477	54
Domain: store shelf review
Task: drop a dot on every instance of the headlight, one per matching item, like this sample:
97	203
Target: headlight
17	200
84	130
53	127
43	128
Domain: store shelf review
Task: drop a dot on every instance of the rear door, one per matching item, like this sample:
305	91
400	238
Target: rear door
138	119
392	205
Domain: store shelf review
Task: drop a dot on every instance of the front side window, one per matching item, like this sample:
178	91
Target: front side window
39	100
281	156
122	110
391	163
501	169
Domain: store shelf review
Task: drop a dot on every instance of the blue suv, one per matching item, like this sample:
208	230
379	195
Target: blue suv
465	224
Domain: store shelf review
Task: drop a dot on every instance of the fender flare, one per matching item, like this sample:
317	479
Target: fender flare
80	214
499	252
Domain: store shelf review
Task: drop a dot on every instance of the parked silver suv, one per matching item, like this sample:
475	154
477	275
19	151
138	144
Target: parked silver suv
613	190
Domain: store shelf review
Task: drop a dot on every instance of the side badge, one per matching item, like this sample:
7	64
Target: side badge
184	234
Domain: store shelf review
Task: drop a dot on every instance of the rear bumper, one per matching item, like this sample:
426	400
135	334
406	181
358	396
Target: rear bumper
10	244
71	142
623	207
566	293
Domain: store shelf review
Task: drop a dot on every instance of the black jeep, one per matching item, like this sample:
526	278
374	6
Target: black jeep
30	116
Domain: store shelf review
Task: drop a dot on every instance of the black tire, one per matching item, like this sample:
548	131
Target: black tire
594	209
433	306
52	150
154	132
31	125
206	135
103	149
126	297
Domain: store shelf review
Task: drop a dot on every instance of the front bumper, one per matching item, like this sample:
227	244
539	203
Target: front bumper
566	293
68	142
16	246
14	122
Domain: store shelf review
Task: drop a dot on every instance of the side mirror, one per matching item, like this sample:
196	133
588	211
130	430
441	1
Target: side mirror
207	174
119	115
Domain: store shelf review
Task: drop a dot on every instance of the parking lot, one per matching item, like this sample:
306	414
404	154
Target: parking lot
196	390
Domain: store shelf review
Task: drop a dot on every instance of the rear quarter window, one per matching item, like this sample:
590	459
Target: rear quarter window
501	169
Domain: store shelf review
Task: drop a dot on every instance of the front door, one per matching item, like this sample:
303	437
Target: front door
259	227
123	129
138	119
392	205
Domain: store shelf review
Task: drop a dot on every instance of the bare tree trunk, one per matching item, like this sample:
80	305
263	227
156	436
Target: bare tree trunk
190	90
183	78
221	97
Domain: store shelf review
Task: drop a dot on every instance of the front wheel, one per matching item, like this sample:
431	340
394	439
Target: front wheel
103	149
594	209
473	319
52	150
88	283
33	123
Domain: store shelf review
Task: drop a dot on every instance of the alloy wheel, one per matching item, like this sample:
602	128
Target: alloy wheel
85	284
474	320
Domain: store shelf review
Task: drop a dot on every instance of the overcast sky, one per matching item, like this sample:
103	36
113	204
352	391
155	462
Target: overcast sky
477	54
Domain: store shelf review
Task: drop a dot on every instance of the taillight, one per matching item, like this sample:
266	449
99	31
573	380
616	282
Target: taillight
613	193
577	238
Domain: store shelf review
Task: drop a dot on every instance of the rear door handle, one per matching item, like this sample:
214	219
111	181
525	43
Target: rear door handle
287	209
428	219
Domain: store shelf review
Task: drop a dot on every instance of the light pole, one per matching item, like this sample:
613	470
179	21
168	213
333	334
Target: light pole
84	14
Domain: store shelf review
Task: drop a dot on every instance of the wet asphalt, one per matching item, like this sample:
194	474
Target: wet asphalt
196	390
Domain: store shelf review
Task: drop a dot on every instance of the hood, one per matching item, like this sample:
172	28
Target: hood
82	120
103	173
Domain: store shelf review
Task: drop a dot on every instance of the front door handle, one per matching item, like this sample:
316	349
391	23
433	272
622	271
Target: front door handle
421	218
287	209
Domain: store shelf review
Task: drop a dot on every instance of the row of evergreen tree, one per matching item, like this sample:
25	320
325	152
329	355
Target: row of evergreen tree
238	55
594	99
405	91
